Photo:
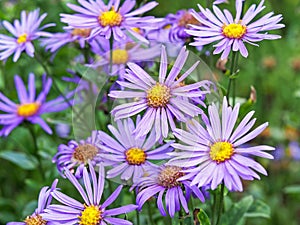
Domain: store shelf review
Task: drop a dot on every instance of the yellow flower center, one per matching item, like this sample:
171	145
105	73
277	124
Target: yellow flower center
84	152
234	30
91	215
169	175
135	156
22	38
158	96
35	220
110	18
187	19
167	27
221	151
136	30
28	109
81	32
119	56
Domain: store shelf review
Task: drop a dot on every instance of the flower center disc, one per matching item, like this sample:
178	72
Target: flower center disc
22	38
135	156
169	175
35	220
158	96
119	56
186	19
110	18
234	30
85	152
91	215
28	109
81	32
221	151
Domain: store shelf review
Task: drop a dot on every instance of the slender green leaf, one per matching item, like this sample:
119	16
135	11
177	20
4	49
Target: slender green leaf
20	159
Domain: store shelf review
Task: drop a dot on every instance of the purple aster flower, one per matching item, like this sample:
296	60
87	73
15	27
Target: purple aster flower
218	152
161	99
44	201
76	155
110	19
24	31
232	33
294	150
91	211
132	153
30	107
162	181
53	42
122	53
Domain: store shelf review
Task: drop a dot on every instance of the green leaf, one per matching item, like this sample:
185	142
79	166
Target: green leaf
203	218
259	209
293	189
236	214
20	159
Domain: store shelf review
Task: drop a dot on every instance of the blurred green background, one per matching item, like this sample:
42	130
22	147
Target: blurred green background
273	69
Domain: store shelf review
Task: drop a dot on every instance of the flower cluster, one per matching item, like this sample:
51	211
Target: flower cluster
169	139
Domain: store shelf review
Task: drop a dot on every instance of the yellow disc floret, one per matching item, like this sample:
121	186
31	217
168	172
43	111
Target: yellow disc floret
221	151
119	56
187	19
81	32
35	220
135	156
110	18
158	96
234	30
84	152
22	38
169	175
28	109
91	215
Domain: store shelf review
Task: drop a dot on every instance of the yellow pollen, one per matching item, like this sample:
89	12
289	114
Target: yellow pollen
158	96
119	56
135	156
110	18
167	27
91	215
234	30
28	109
221	151
187	19
169	175
35	220
81	32
22	38
84	152
137	30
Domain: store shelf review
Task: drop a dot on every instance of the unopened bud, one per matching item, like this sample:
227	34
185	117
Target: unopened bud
221	64
252	94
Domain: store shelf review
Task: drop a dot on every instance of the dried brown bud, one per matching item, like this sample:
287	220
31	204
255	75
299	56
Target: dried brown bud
253	94
296	64
269	62
221	64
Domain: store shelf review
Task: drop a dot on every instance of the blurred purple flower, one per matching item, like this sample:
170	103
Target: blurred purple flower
163	181
217	152
132	153
63	130
111	20
76	155
122	53
91	211
161	99
232	33
31	107
44	201
24	31
294	150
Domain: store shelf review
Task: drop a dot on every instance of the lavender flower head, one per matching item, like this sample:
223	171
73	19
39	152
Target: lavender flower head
162	99
122	53
110	19
76	155
231	33
24	31
44	201
30	107
71	211
217	152
163	182
132	153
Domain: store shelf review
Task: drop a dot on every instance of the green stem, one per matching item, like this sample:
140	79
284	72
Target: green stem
150	213
232	71
111	43
35	152
214	208
221	203
137	212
